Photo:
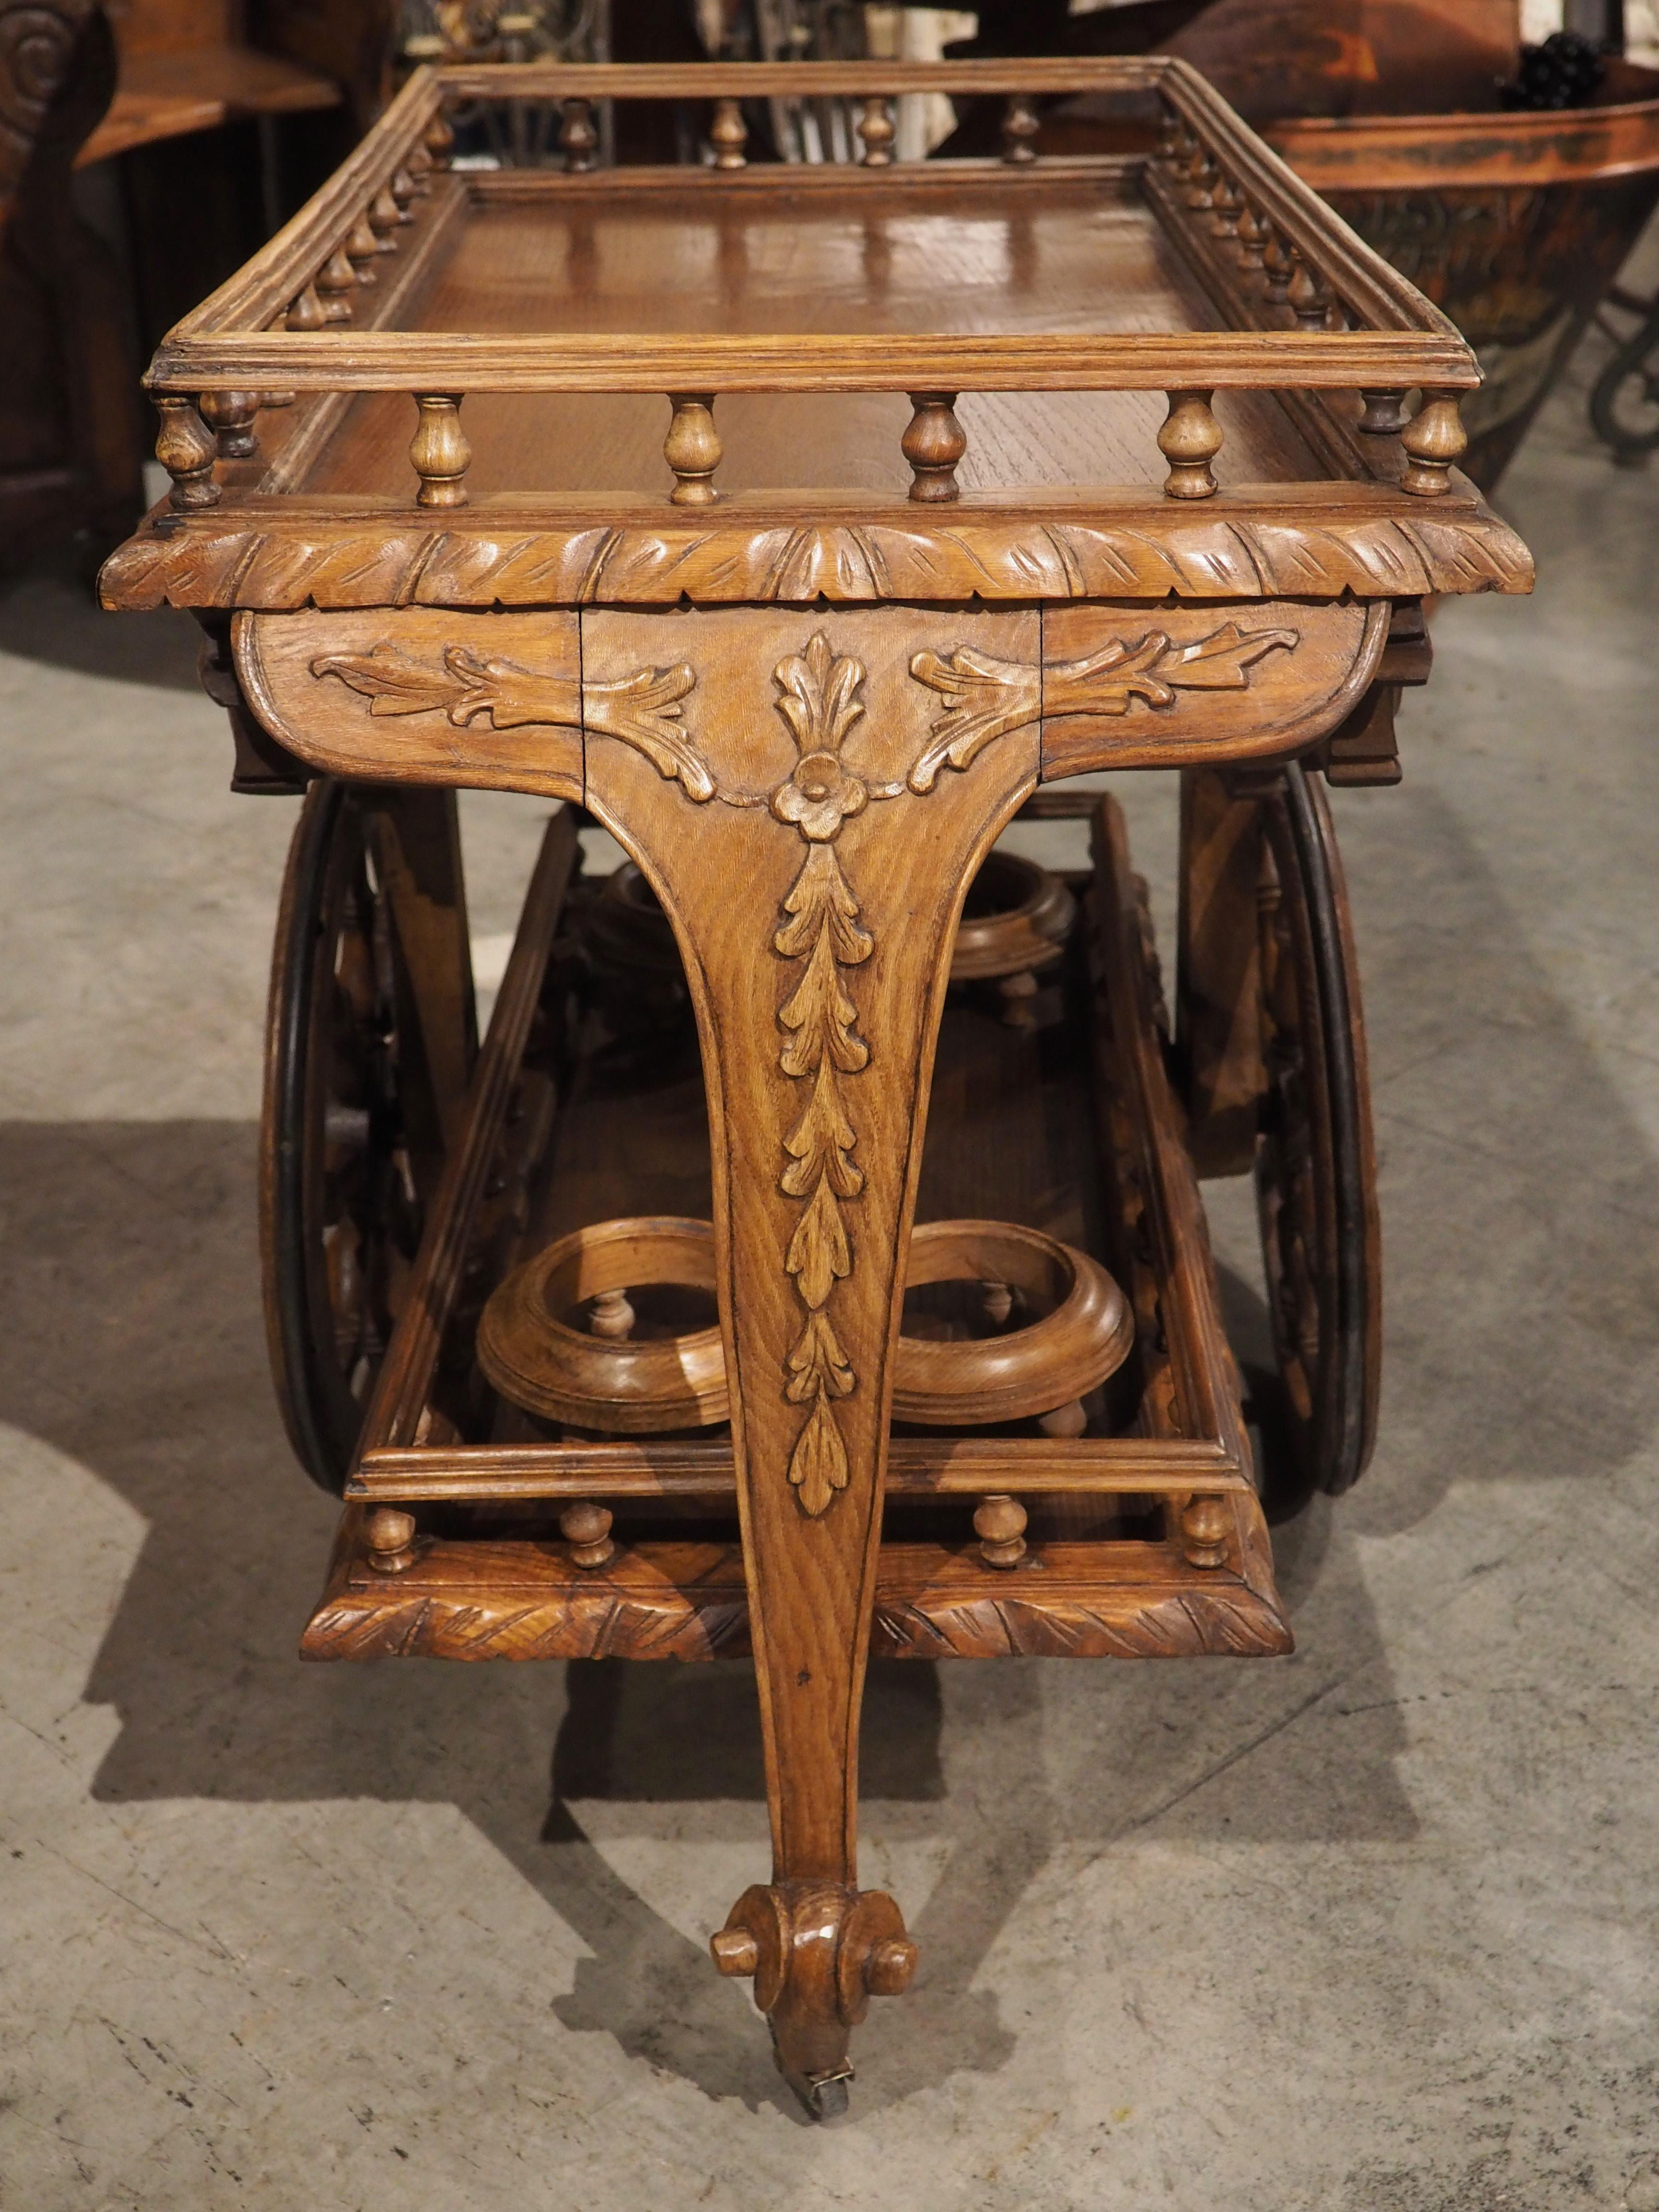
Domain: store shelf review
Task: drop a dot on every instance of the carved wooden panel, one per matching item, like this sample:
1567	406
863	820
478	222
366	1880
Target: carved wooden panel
429	696
1128	686
813	873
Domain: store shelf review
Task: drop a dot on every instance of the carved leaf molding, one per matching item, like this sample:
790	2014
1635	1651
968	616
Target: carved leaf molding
817	698
1277	553
985	698
644	710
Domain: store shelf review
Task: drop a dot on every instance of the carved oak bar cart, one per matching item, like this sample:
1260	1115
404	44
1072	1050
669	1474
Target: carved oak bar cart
614	1331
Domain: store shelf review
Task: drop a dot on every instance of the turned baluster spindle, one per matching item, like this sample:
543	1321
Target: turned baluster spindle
1065	1421
729	134
1204	1525
1278	267
586	1528
1228	204
1309	293
419	166
1385	414
692	449
1202	175
307	312
999	1524
1189	441
1172	136
383	220
402	189
1434	440
997	1302
337	280
391	1545
515	31
187	449
361	248
578	137
611	1317
1253	233
933	442
1018	992
439	451
877	131
230	415
438	141
1020	126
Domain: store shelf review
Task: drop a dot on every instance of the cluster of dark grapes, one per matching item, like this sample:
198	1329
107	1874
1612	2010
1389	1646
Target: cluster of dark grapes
1566	71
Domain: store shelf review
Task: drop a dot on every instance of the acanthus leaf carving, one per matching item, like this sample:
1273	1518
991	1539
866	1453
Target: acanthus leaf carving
817	1466
818	700
644	709
818	1365
819	1016
819	898
819	1254
1154	670
819	1143
323	563
987	698
1221	662
464	685
819	689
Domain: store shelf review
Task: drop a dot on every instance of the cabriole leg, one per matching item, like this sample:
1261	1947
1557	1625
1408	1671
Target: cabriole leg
810	817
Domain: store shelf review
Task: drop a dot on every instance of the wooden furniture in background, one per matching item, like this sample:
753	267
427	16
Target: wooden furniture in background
802	527
189	65
145	83
1515	222
70	438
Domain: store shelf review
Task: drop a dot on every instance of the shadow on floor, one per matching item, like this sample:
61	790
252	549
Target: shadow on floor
53	614
131	1339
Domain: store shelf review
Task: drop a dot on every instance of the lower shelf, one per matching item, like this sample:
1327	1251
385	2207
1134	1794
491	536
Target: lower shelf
520	1597
1072	1129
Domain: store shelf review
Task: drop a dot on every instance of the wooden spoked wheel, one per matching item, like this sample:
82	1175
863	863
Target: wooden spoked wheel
1316	1166
339	1220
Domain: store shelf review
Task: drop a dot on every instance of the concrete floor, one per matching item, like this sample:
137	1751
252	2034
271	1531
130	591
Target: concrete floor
1370	1929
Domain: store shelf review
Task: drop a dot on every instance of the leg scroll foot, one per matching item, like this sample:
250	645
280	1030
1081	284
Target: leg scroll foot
818	1953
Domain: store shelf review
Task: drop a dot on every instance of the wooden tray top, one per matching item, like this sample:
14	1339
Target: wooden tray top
1010	379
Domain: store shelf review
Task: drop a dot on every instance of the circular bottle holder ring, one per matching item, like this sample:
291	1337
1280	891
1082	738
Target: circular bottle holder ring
1082	1333
594	1377
1017	919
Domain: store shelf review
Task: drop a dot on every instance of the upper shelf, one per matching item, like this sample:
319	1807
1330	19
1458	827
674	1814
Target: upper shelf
403	289
1388	331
